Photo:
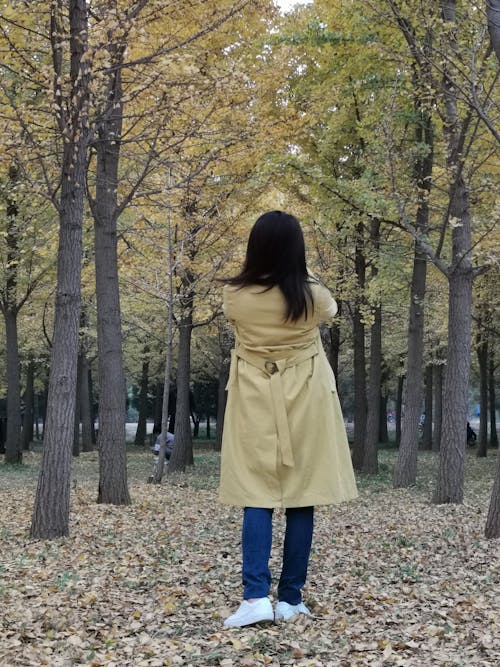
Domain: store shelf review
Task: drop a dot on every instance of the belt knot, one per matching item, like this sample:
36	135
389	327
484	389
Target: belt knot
271	366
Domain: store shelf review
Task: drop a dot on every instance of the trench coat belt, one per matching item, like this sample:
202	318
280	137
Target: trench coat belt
274	368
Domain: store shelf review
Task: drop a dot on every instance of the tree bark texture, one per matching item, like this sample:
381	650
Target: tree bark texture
168	363
92	407
334	347
29	405
399	408
383	435
429	417
76	430
140	434
450	481
438	407
85	404
13	448
226	342
51	510
492	399
405	472
482	357
182	453
111	443
370	454
360	406
164	420
9	307
157	409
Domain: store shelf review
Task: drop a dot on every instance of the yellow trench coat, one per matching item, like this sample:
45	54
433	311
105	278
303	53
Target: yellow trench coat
284	441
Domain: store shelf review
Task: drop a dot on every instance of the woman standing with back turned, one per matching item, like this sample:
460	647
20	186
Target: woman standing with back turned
284	441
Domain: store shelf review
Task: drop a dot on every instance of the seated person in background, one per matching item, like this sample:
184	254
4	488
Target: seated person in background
170	445
471	436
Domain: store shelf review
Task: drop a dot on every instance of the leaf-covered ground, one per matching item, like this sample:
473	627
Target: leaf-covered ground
393	579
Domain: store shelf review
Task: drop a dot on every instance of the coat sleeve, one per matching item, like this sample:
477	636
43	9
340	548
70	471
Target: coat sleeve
325	305
227	300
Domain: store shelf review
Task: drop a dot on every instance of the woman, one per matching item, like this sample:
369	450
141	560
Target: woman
284	442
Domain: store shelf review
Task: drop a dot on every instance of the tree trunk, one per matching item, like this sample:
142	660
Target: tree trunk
399	408
370	458
183	445
140	434
111	442
370	454
334	351
157	409
383	435
37	415
13	448
438	407
429	418
482	357
85	405
9	308
92	407
76	430
450	479
44	405
221	402
3	427
168	360
405	472
226	342
51	510
29	404
492	528
360	407
492	398
196	426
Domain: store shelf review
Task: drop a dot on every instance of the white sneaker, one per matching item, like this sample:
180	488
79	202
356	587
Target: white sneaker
251	612
285	611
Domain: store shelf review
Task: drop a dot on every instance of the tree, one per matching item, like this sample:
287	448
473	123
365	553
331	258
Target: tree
51	509
113	486
138	77
168	356
460	274
10	307
450	83
25	263
405	471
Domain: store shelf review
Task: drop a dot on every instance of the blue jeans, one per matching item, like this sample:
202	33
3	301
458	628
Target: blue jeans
256	546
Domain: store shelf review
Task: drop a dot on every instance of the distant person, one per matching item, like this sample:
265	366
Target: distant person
170	445
284	440
471	436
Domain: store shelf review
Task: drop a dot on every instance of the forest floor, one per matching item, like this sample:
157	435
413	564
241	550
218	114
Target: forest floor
393	579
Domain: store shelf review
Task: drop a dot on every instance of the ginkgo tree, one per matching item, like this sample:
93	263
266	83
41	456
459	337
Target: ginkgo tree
396	130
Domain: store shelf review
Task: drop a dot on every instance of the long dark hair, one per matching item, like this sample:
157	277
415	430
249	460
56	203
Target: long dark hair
276	255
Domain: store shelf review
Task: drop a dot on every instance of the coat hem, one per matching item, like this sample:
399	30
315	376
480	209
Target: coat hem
286	503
